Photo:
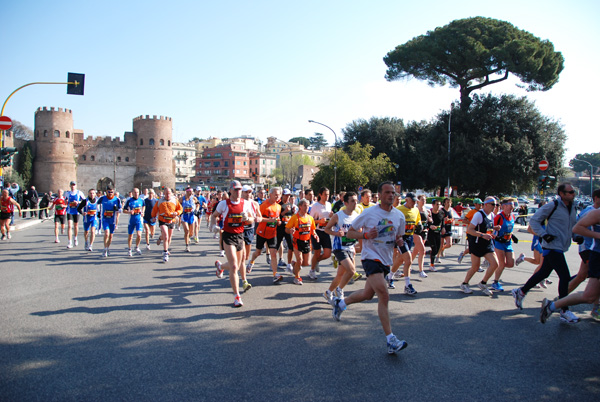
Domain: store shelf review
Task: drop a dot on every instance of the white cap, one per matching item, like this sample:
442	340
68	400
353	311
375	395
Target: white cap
286	191
246	187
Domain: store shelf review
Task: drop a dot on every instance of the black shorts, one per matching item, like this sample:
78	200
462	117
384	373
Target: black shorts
59	218
234	239
409	243
170	225
480	247
585	256
5	215
324	240
248	235
281	234
375	267
594	265
301	245
73	217
260	242
341	255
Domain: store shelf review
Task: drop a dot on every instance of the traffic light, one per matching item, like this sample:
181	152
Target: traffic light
6	154
75	83
541	183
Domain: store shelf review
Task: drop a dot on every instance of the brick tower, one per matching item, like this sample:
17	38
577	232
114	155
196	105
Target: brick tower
154	155
54	165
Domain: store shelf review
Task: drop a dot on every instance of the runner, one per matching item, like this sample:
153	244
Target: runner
249	230
421	235
503	242
167	209
301	227
467	219
592	290
60	212
135	206
111	204
481	245
89	209
556	240
149	221
435	230
202	203
382	227
73	197
188	218
343	247
7	208
266	231
287	210
236	213
446	233
412	218
321	213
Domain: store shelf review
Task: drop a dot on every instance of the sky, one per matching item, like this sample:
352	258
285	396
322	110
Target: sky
264	68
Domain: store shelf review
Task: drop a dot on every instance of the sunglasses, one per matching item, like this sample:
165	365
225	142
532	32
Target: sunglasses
569	192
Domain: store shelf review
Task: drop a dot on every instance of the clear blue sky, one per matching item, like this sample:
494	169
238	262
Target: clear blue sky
264	68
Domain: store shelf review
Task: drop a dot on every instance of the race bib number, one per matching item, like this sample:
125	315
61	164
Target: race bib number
137	211
235	220
109	214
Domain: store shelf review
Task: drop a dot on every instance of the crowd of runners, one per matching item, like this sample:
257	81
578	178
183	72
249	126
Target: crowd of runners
298	232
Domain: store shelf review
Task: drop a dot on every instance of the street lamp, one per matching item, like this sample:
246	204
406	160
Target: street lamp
591	174
334	155
449	131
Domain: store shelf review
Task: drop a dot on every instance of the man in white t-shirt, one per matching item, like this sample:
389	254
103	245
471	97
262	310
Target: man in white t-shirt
381	227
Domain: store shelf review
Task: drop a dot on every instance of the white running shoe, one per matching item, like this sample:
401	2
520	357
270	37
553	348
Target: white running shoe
222	253
138	251
290	268
465	288
75	242
568	317
486	291
70	245
520	259
148	246
165	256
328	295
129	253
312	274
422	274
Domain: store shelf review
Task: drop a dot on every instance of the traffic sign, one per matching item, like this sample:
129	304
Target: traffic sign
360	188
5	123
543	165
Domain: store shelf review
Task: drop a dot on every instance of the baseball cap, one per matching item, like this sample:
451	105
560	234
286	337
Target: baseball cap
411	196
198	188
72	183
286	191
246	187
477	201
235	185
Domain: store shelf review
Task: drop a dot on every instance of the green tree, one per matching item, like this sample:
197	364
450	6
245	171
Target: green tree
495	148
355	167
472	53
25	166
22	131
318	141
578	166
301	140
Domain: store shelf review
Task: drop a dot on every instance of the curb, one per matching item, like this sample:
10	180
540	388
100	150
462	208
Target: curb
24	225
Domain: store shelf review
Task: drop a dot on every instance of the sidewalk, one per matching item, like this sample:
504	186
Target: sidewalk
25	223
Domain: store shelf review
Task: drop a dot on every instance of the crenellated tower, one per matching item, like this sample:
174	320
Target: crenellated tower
154	155
54	165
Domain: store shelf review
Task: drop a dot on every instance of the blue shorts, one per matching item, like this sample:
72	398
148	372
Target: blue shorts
536	245
151	223
594	265
375	267
91	224
409	243
108	225
188	218
506	247
135	226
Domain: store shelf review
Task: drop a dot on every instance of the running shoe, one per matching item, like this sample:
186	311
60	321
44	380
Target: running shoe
486	291
158	241
138	251
290	268
277	278
90	248
328	295
55	240
395	345
281	263
537	286
432	268
85	246
518	296
356	276
219	269
268	258
165	256
568	317
312	274
298	281
390	282
215	236
497	287
337	310
422	274
249	267
409	290
129	253
148	246
461	256
246	286
398	275
69	245
480	269
485	264
339	292
595	314
464	287
545	312
105	253
335	262
548	282
75	242
222	253
543	285
437	260
237	302
520	259
196	240
187	248
317	268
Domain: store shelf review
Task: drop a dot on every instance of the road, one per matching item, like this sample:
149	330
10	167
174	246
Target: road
77	327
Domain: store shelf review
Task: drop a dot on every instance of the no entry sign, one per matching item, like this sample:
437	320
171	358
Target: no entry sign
5	123
543	165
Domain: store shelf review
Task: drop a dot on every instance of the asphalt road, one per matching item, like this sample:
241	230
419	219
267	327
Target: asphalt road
78	327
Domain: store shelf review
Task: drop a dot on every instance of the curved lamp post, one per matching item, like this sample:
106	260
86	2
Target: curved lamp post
591	175
334	155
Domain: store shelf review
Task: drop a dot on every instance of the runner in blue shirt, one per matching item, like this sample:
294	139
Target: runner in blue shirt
135	208
111	204
73	198
89	209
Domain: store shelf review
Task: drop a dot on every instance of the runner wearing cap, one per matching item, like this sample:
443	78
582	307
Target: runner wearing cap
236	213
503	243
73	198
188	217
468	217
481	245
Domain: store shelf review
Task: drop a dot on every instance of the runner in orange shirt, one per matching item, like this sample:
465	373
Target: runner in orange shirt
302	227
